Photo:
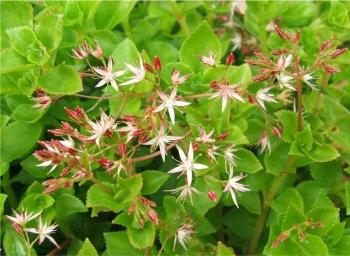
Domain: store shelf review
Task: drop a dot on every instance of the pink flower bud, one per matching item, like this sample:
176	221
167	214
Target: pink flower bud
214	85
97	52
104	162
326	45
276	132
195	147
156	63
152	214
108	133
223	136
148	67
131	210
331	69
212	196
230	59
122	149
338	52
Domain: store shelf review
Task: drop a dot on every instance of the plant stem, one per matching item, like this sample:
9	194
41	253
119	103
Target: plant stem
126	28
195	96
269	196
6	185
300	104
163	245
180	18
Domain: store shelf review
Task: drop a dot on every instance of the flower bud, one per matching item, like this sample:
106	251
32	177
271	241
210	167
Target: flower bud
131	210
108	133
156	63
104	162
214	85
212	196
276	132
195	147
326	45
148	67
97	52
152	214
331	69
230	59
223	136
122	149
338	52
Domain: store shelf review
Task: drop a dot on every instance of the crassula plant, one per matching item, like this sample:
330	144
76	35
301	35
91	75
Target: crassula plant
175	128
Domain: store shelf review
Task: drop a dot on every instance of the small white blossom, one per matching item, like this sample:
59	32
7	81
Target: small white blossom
169	103
264	142
233	186
307	78
176	79
44	231
184	234
212	152
230	157
185	192
285	81
205	137
131	130
107	75
208	60
187	165
22	218
227	92
161	140
284	61
262	95
101	128
138	71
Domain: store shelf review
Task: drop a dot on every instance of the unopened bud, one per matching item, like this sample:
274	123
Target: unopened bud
131	210
148	67
230	59
108	133
104	162
214	85
331	69
326	45
212	196
223	136
156	63
122	149
195	147
276	132
152	214
338	52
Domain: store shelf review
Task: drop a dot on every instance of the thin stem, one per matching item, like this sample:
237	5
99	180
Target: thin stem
58	249
163	246
122	105
300	104
126	28
180	18
269	196
6	185
195	96
109	97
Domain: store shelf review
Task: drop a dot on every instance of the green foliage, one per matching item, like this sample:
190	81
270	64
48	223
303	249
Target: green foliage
269	171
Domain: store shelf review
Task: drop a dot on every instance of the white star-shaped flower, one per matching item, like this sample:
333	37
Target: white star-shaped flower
184	234
107	75
285	81
101	128
161	140
262	95
187	165
44	231
227	92
176	79
169	103
284	61
307	78
233	186
22	218
208	60
138	71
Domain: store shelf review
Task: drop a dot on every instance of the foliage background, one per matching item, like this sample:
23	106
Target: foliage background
36	42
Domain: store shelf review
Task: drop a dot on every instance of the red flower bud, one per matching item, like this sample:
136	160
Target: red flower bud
214	85
152	214
338	52
326	45
122	149
276	132
156	63
212	195
195	147
230	59
148	67
104	162
131	210
223	136
331	69
108	133
140	220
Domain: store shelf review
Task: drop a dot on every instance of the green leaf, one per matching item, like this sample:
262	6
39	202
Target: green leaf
14	244
48	27
2	202
165	51
322	153
14	14
291	217
11	61
30	164
142	238
152	181
25	42
342	247
36	202
110	13
289	122
26	134
61	79
224	250
125	52
312	245
107	40
247	161
236	136
276	161
118	244
338	16
328	174
129	107
67	204
129	188
347	198
200	42
303	142
299	14
289	197
102	200
27	113
329	217
88	249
